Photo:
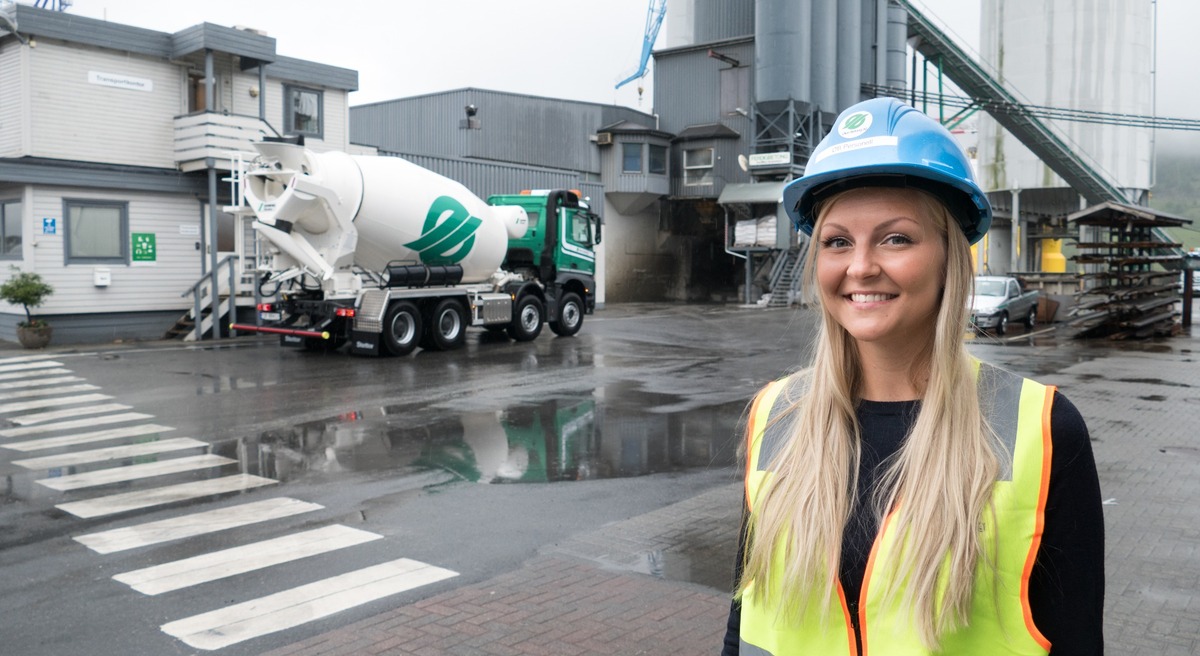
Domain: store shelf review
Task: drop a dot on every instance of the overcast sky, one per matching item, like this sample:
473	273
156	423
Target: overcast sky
576	49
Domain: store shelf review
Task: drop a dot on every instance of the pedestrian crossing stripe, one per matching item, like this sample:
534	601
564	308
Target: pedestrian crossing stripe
24	358
134	472
127	501
75	423
246	558
291	608
40	382
32	375
40	417
193	524
87	438
53	401
111	453
29	366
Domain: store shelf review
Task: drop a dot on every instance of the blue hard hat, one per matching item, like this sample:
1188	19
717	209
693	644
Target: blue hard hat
884	143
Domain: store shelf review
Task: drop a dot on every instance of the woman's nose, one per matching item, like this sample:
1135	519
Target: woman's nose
863	264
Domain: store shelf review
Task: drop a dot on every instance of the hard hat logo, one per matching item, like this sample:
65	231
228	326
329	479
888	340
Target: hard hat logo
448	233
854	125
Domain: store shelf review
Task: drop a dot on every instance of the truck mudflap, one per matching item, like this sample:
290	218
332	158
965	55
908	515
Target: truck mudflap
364	343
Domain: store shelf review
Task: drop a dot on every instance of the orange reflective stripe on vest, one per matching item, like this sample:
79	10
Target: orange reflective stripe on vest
999	621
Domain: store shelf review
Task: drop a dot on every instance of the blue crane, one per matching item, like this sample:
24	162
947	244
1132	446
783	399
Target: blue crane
654	19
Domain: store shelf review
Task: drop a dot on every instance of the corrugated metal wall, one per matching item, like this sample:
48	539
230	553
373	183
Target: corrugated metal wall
716	20
515	128
486	178
687	85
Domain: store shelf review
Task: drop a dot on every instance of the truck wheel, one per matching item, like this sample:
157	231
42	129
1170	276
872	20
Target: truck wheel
527	319
401	328
570	316
446	326
1031	320
1002	324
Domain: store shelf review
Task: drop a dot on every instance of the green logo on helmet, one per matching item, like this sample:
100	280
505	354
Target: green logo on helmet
448	233
854	125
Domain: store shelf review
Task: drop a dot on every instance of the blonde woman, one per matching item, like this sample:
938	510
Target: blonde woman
902	497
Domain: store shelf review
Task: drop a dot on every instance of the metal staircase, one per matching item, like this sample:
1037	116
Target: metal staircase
785	277
198	320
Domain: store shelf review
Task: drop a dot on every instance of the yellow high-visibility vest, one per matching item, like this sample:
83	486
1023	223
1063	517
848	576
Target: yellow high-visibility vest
1000	621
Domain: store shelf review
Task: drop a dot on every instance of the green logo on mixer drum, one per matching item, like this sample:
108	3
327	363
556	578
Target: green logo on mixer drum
448	233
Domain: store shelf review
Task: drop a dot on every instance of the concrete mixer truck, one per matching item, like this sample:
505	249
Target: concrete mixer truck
387	256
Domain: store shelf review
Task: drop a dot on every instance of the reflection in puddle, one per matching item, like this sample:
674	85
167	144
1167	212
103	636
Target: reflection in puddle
619	431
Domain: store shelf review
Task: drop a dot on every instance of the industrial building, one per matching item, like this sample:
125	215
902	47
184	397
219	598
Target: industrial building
689	193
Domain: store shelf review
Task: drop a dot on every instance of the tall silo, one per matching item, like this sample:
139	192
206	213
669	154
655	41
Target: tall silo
1088	56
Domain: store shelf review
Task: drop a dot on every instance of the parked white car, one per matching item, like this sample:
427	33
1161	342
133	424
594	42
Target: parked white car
1000	299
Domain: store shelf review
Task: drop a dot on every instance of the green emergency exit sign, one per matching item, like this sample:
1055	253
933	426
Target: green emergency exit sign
144	247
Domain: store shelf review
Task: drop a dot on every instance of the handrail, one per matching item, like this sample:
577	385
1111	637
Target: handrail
195	292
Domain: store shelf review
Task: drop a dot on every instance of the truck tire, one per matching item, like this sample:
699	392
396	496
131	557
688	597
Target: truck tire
445	327
1031	320
401	328
1002	324
527	319
570	316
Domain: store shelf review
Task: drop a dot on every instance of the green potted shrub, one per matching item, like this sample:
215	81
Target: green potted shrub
28	290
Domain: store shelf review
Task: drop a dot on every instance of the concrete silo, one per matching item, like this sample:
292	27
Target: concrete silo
1086	56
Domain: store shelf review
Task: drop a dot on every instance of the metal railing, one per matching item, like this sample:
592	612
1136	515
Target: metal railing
200	292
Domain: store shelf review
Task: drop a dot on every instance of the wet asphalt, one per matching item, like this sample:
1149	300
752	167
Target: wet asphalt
470	460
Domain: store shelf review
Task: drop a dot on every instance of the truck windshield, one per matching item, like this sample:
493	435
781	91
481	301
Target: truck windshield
581	228
989	287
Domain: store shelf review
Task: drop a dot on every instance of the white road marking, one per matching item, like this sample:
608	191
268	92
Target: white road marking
85	438
39	382
126	501
29	366
24	358
46	391
134	472
284	610
77	423
239	560
22	406
33	375
187	526
69	412
110	453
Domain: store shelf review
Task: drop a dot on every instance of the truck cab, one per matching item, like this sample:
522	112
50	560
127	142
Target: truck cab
559	247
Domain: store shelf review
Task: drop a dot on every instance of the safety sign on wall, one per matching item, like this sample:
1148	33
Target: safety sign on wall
49	225
144	248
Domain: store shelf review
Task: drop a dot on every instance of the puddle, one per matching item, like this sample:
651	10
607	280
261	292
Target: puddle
615	432
1151	381
1153	397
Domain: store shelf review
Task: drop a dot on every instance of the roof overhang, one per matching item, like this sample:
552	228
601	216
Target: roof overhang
752	192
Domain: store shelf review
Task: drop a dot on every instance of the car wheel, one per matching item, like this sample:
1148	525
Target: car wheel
1002	324
1031	320
570	316
402	328
527	319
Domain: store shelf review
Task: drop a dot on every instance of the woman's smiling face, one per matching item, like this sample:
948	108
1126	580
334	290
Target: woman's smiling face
881	266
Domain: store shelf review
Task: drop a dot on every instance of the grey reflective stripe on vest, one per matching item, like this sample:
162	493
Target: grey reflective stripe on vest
747	649
999	399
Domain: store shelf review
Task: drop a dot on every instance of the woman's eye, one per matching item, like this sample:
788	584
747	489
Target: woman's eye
835	242
897	240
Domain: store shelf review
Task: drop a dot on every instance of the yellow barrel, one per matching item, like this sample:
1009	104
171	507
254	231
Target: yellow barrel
1053	261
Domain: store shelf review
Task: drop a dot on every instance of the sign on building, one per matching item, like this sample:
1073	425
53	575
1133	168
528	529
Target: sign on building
144	247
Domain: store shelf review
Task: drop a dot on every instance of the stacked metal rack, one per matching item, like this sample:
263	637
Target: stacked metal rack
1130	268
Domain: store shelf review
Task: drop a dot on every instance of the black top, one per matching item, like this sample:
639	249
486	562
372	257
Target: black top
1066	587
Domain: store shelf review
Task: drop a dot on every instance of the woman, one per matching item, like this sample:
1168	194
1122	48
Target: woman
902	497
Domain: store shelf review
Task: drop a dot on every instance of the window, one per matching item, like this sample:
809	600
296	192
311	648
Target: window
698	166
96	232
302	111
10	229
658	159
581	228
631	158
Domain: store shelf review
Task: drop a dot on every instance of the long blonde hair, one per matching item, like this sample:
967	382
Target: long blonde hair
943	472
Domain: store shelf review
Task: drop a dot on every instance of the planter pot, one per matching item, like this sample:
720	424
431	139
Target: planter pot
34	337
